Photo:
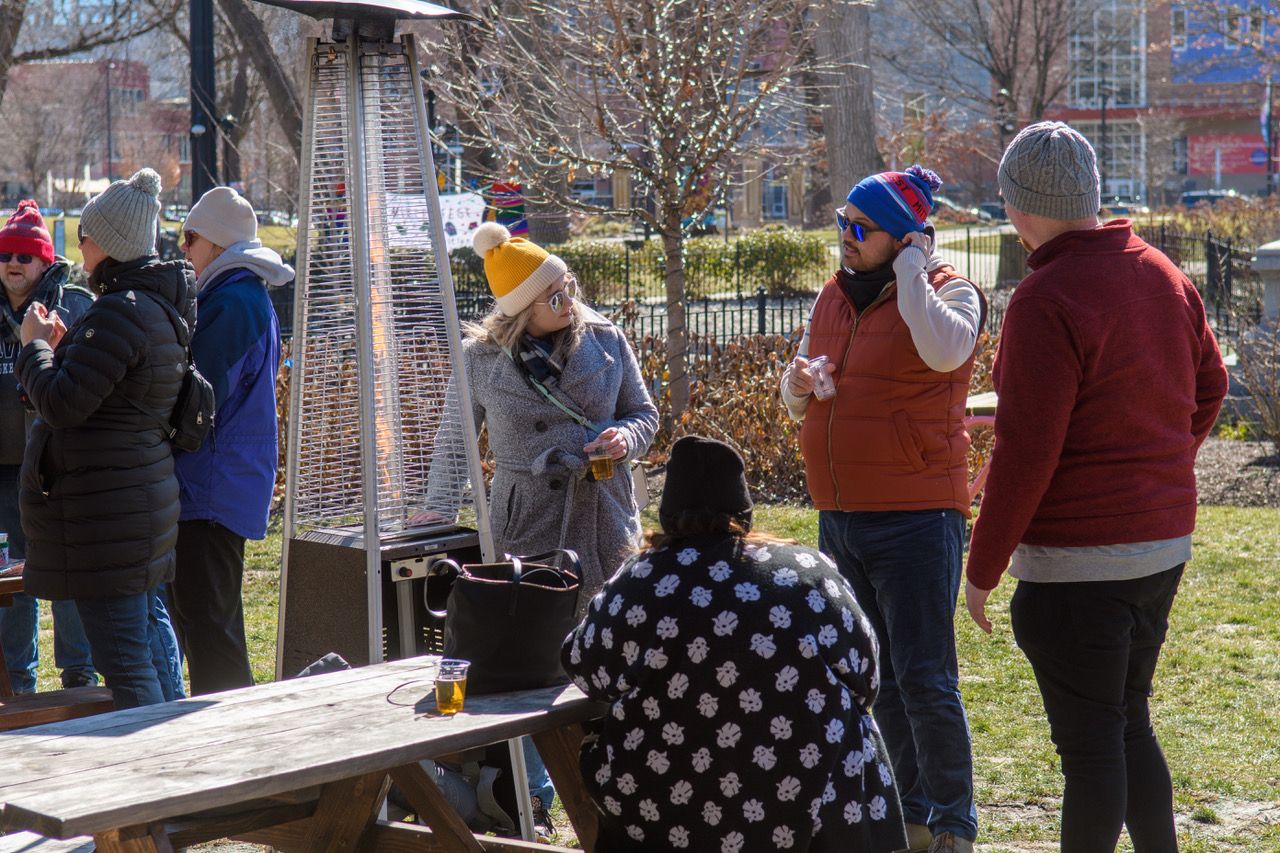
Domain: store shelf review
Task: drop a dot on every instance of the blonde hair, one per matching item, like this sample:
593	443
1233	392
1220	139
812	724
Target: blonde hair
505	332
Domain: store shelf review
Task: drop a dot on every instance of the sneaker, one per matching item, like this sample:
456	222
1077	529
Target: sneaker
918	839
542	825
949	842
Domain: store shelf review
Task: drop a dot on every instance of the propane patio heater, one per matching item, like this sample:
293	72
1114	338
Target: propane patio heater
380	421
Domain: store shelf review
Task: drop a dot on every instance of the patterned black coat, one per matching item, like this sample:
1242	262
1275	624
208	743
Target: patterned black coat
741	678
98	495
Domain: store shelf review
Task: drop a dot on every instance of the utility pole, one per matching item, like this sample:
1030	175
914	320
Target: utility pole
204	136
111	171
1269	135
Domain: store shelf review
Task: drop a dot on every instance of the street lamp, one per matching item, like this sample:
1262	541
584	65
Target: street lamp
111	172
1005	115
1105	91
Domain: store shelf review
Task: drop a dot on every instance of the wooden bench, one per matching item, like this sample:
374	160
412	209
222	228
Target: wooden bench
53	706
300	765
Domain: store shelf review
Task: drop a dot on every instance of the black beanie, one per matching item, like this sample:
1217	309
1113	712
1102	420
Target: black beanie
704	476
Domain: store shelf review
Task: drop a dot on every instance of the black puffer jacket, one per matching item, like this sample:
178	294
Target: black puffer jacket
98	494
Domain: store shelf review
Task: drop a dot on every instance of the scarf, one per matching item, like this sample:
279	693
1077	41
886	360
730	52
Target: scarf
536	356
862	288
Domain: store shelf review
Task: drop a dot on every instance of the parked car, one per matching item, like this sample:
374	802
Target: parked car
1191	198
994	211
1124	206
948	211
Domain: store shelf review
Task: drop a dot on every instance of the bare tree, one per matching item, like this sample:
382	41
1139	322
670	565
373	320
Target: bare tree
49	128
66	30
1008	59
670	92
843	45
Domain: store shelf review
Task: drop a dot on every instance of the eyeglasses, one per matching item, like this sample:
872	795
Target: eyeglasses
79	236
5	257
860	232
189	238
556	301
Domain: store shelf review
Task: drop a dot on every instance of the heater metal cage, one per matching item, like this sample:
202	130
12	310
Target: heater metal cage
380	420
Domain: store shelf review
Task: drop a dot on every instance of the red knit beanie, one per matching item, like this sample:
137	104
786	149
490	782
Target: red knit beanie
25	234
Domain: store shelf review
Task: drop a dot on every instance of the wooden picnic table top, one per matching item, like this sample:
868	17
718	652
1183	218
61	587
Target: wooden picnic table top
159	762
981	404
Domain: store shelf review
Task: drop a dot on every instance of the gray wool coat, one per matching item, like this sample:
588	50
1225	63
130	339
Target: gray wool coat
540	499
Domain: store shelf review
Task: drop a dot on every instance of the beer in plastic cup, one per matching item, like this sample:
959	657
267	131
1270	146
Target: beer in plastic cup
451	686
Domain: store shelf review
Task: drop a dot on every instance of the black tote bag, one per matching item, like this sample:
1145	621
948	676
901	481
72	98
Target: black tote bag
511	618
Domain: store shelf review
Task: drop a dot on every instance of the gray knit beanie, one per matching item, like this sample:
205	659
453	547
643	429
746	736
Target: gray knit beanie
122	218
1050	170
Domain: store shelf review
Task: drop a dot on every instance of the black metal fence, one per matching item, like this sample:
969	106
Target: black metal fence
739	303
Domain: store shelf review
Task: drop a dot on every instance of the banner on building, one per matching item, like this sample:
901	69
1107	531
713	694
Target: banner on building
1226	153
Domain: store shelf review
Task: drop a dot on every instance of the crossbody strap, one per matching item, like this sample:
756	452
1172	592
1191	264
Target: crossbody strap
164	423
551	398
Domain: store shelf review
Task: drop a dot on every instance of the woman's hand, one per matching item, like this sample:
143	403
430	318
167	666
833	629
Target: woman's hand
39	324
612	441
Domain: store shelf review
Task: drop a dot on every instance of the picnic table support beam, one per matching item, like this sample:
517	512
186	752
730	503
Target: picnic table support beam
346	811
431	806
143	838
559	749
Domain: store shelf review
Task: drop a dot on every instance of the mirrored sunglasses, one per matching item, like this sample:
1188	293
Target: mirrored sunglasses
844	224
5	257
557	300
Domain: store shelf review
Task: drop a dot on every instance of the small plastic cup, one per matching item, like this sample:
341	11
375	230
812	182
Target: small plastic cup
824	387
601	464
451	686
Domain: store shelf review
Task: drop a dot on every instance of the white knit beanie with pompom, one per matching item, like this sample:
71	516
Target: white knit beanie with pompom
518	271
122	218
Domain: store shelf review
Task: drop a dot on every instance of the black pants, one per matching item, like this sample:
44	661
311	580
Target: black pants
208	614
1093	647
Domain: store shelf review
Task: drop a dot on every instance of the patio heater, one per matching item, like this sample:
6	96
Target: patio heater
380	421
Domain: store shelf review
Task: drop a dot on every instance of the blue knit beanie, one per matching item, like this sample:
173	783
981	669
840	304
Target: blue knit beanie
899	202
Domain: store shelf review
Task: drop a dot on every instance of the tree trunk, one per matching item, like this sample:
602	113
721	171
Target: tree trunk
237	107
848	114
280	88
677	336
11	14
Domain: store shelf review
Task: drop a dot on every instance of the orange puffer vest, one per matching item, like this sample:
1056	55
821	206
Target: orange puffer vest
893	436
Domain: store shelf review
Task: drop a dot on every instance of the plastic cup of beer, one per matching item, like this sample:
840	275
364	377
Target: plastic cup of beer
824	387
451	686
601	464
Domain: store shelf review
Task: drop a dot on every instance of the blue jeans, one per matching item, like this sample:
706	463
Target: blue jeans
19	640
126	635
905	570
536	772
20	624
166	654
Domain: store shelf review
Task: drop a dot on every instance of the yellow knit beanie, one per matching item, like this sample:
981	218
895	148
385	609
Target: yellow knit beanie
518	271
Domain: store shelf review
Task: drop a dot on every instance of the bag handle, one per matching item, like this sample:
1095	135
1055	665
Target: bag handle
455	571
514	597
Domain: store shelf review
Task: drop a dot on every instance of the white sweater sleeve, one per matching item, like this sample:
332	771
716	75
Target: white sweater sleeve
796	406
943	323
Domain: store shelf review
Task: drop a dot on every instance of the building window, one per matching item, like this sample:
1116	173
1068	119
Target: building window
1178	28
1180	155
775	198
1107	57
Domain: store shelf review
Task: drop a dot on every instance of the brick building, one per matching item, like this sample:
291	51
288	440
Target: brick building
1172	98
72	126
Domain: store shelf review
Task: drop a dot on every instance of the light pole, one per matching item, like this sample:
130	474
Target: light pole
111	172
204	141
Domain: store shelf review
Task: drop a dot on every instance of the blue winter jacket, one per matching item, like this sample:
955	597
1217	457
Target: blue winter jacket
230	479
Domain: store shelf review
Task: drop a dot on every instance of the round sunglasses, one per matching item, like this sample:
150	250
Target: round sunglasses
5	257
556	301
860	232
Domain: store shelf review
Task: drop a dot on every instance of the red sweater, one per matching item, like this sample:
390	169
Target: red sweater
1108	378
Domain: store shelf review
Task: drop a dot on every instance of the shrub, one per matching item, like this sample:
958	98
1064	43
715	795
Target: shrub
1258	348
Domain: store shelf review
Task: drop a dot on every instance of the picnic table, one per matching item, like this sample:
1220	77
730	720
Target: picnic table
48	707
303	764
980	410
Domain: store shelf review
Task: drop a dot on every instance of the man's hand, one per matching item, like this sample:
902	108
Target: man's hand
39	324
976	600
613	441
799	380
908	263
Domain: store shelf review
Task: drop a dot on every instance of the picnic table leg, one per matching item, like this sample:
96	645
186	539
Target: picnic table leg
559	749
345	812
144	838
425	797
